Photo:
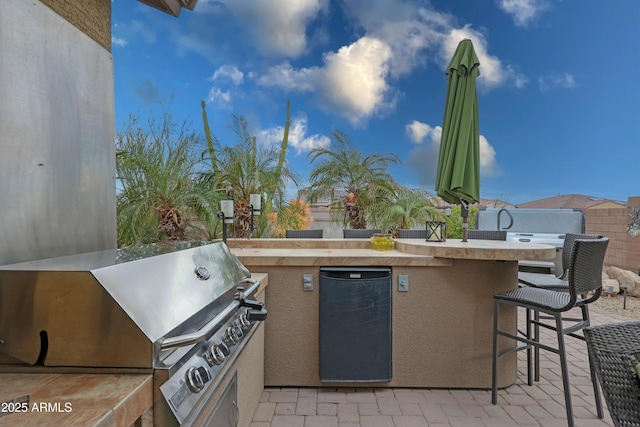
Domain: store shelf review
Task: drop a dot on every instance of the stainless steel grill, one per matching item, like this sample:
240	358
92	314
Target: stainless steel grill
183	316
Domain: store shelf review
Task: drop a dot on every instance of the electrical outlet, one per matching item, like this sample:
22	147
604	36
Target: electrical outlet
403	283
307	282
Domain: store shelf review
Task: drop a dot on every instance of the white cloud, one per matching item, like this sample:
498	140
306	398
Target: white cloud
228	72
492	72
352	80
357	81
564	80
423	159
417	131
407	29
117	41
286	77
523	11
412	31
298	138
488	163
279	26
222	99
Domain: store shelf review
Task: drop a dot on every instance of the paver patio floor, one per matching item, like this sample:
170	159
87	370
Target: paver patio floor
518	405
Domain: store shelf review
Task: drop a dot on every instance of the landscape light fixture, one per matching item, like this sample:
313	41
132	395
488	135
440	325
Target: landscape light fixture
255	206
226	215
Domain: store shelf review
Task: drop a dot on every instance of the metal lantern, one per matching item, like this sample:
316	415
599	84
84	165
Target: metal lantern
436	231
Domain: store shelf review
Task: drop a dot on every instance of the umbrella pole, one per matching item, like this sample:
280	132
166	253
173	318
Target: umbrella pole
464	212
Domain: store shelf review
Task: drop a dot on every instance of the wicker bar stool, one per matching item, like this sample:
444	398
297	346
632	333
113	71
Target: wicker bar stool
350	233
609	347
552	282
584	277
303	234
412	234
487	234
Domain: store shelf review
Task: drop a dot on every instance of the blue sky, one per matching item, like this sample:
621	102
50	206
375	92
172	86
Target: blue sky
558	92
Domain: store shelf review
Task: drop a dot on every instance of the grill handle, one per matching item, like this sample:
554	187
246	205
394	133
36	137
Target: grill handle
211	326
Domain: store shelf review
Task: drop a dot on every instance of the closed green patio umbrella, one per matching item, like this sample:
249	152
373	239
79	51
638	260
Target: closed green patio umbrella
458	176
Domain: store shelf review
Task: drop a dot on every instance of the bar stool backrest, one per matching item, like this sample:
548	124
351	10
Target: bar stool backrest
303	234
585	267
487	234
412	234
350	233
569	238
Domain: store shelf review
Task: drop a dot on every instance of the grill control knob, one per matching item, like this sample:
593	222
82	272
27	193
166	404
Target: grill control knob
217	353
238	328
197	378
244	323
230	336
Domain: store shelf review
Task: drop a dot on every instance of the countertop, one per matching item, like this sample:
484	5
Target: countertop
406	252
103	400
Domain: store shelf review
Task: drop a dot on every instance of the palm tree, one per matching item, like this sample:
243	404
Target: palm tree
158	198
409	208
245	169
356	185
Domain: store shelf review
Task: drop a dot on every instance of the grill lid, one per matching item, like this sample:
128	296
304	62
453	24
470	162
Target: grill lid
99	311
162	292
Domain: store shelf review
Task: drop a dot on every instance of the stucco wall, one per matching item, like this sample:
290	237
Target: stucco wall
92	17
441	327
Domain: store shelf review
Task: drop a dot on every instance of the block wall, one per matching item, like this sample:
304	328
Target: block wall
623	250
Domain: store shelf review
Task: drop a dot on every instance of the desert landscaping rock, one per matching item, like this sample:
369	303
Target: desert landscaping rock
626	278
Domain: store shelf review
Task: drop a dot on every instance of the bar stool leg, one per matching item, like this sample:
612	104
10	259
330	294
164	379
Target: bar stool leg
536	351
494	359
565	372
594	380
529	355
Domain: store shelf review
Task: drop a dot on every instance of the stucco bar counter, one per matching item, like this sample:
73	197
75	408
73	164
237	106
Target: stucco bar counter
441	327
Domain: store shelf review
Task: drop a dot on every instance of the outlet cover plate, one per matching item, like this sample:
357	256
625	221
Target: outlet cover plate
403	283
